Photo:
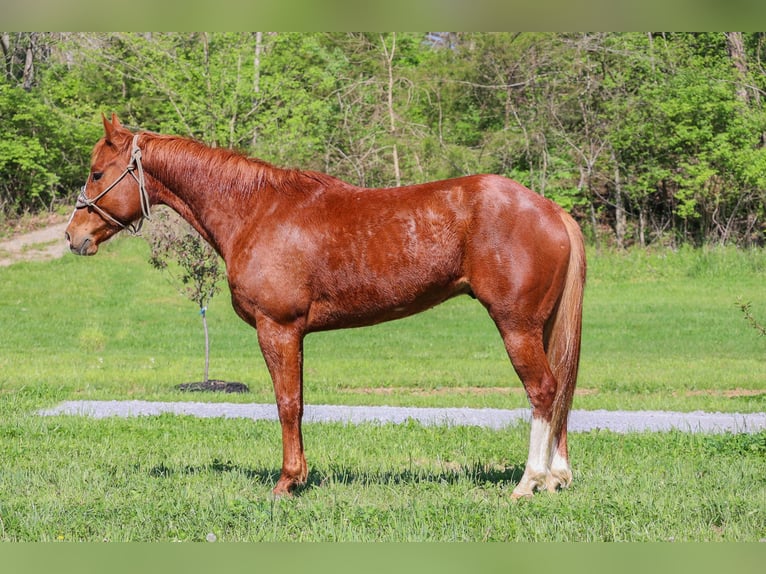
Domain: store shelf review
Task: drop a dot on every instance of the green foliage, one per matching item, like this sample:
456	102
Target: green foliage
40	156
645	137
47	126
177	248
686	143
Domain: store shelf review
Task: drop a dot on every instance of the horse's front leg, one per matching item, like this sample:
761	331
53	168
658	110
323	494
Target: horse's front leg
282	347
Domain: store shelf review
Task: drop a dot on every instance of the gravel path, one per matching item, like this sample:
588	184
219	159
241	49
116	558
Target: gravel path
579	420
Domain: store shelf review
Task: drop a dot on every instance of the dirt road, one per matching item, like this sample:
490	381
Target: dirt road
40	245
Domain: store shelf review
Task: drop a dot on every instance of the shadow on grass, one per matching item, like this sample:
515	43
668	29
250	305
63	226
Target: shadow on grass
476	473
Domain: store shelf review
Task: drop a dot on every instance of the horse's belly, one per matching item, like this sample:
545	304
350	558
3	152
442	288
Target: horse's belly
379	304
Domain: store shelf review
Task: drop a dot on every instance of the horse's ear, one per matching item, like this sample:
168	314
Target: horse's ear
111	128
108	128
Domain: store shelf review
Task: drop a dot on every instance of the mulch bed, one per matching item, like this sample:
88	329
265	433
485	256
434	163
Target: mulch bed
215	386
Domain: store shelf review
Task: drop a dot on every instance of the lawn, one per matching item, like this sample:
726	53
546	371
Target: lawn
662	330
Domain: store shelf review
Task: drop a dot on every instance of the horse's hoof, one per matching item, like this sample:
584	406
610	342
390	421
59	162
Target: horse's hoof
281	493
519	494
557	480
283	490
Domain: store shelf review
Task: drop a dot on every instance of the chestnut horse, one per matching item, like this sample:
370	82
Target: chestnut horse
307	252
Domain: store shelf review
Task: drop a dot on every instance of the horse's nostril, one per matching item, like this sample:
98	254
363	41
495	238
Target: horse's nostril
66	236
83	249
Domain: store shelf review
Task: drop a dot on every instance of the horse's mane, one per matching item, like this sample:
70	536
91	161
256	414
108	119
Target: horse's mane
233	170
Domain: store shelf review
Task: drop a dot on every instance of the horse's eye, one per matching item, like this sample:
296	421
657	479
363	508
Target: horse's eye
97	175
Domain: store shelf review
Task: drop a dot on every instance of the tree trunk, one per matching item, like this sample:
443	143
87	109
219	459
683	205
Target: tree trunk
203	313
390	95
584	184
257	78
736	48
210	135
620	222
5	42
28	78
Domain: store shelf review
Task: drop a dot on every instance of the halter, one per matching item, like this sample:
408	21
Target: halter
134	165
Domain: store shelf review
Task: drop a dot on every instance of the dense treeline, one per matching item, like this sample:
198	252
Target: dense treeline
645	137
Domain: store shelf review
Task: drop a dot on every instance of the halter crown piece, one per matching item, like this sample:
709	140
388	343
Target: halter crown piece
135	165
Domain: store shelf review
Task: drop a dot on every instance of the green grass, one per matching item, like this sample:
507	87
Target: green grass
662	330
177	478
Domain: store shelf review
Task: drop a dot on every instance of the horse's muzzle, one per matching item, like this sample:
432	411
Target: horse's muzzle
84	247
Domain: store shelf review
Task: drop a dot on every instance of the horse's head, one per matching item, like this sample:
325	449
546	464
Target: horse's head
114	197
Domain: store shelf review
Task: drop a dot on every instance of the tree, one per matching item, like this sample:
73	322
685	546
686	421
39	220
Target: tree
375	139
748	316
44	147
177	248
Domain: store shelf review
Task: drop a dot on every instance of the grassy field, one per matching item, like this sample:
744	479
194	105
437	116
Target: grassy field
662	331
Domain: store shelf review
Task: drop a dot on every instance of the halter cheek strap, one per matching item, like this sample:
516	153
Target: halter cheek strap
134	166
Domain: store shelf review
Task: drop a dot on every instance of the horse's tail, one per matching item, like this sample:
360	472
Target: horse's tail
564	328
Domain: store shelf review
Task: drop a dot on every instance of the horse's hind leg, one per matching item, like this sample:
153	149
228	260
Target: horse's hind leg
525	349
560	474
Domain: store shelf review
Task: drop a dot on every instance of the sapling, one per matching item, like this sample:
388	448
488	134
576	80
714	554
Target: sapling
197	269
747	312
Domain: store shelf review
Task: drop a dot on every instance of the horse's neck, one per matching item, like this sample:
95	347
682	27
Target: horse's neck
185	188
172	200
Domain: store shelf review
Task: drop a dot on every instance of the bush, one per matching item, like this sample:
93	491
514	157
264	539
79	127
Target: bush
43	157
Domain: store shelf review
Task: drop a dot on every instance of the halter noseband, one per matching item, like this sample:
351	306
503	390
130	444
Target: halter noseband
134	165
